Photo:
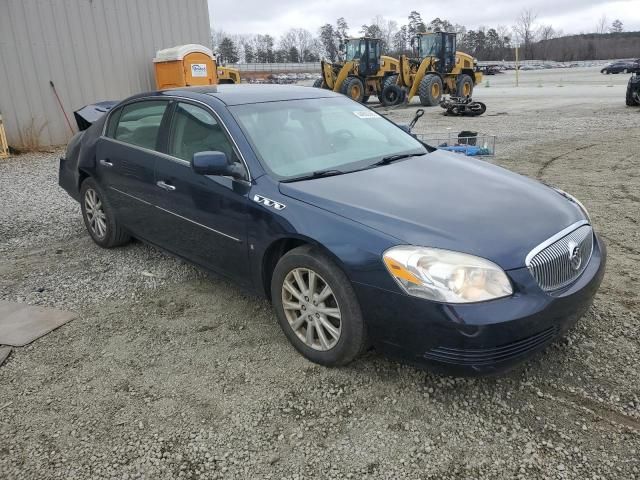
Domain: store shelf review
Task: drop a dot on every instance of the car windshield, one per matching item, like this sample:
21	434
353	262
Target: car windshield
299	137
430	45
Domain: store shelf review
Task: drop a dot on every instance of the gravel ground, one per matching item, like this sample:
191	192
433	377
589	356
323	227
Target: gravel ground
171	373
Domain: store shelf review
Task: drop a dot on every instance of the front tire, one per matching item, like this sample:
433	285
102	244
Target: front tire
318	83
317	307
99	217
353	88
464	86
430	90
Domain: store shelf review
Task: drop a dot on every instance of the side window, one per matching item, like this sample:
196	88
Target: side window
138	123
193	129
113	123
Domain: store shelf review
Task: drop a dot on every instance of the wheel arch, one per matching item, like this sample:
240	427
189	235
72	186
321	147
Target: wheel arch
471	73
280	247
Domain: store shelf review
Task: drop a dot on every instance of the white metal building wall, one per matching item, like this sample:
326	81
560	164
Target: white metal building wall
92	50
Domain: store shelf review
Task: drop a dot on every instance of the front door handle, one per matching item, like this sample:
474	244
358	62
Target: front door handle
106	163
165	186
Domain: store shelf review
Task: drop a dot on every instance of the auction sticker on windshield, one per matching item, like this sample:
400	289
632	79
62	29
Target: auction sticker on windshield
365	114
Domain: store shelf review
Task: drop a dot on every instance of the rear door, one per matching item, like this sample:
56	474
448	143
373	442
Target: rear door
205	217
126	158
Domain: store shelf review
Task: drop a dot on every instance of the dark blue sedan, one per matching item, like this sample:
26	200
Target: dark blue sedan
358	233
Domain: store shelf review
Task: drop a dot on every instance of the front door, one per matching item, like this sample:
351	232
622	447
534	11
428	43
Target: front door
205	216
126	158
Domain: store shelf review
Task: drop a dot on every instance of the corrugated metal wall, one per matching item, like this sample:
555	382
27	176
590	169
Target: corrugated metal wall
92	50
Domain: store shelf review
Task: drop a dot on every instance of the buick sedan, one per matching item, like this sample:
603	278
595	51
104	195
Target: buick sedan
359	234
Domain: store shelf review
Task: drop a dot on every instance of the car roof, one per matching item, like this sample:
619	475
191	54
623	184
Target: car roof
245	94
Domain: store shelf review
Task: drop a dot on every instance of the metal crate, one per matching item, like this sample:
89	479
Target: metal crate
467	143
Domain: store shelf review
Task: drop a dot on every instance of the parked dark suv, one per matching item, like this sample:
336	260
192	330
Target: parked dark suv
358	233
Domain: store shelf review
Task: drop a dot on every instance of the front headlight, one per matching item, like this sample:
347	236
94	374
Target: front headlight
573	199
446	276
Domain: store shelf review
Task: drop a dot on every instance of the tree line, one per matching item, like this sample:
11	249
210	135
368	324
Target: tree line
536	41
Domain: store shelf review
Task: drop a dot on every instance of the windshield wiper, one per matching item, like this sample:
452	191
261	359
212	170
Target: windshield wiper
316	174
393	158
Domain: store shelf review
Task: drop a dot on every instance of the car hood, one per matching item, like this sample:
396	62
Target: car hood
449	201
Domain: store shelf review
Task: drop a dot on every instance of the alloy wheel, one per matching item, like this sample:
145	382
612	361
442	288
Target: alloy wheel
311	309
435	90
95	213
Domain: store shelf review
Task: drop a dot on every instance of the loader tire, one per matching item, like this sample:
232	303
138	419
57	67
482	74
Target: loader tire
365	99
319	83
389	80
464	86
353	88
631	102
430	90
391	95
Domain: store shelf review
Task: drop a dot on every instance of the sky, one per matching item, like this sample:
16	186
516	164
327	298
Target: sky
276	17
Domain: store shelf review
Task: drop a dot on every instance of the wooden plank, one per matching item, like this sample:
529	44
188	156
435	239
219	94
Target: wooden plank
4	146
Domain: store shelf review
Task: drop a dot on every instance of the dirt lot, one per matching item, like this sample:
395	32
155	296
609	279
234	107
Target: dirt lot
171	373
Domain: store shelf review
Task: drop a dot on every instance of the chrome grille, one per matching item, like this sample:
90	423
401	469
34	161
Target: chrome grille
554	263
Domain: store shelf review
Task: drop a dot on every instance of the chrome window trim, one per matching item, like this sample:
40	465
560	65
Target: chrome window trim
177	215
165	155
561	234
148	150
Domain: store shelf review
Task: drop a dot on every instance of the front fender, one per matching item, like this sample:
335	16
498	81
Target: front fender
356	248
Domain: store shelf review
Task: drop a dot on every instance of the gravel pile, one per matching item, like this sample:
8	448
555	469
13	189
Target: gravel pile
170	373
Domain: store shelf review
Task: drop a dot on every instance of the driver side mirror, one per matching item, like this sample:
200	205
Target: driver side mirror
214	163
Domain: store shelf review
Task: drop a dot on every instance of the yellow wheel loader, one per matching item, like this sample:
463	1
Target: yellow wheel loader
439	69
363	73
226	74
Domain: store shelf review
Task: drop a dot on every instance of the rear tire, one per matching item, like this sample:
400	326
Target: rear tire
345	335
430	90
353	88
464	86
99	217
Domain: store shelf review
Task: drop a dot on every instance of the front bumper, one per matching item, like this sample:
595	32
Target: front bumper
481	338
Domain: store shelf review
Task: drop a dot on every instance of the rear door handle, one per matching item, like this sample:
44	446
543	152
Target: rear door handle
165	186
106	163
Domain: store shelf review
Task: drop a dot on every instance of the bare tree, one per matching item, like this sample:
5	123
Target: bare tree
545	33
525	31
603	24
298	38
